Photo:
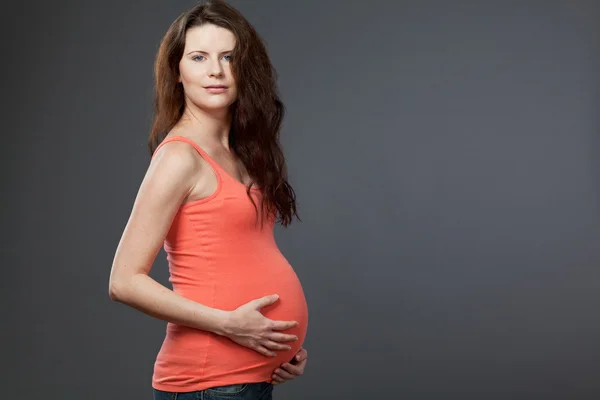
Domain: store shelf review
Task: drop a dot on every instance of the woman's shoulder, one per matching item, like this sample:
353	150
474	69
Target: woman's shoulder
177	142
177	157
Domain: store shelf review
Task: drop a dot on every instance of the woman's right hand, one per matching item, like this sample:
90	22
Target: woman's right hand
248	327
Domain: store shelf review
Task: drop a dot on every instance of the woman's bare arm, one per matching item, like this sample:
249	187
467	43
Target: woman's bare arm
170	177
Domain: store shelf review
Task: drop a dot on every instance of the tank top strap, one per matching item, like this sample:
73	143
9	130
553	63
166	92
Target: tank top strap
216	167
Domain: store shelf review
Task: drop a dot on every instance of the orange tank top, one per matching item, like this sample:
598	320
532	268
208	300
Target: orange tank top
220	257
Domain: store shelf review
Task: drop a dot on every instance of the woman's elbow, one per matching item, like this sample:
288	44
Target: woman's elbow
116	289
113	292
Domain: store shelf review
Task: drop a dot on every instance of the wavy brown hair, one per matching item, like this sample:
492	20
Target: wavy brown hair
257	113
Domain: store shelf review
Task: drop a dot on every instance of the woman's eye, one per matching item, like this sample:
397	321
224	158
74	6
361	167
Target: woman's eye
196	58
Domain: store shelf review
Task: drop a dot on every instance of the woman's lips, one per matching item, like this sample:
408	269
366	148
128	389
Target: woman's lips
215	89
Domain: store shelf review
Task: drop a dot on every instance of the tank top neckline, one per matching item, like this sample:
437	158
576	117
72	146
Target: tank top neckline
208	158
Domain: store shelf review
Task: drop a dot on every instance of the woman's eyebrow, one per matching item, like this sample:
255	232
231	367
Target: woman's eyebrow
203	52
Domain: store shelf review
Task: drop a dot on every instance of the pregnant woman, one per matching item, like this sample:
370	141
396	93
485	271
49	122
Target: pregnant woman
215	187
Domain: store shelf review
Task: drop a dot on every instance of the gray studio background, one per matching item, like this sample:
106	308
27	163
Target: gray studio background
445	157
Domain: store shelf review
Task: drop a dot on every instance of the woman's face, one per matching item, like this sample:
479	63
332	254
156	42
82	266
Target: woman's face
206	62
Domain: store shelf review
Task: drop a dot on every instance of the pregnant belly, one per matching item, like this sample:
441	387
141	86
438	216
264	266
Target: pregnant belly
202	356
275	277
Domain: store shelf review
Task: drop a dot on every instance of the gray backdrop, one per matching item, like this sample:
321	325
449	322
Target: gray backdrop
446	161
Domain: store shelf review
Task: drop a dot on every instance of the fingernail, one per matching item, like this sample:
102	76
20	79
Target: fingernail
298	357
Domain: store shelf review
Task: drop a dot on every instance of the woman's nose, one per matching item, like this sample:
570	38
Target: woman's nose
215	69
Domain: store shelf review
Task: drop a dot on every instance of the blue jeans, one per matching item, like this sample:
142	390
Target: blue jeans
241	391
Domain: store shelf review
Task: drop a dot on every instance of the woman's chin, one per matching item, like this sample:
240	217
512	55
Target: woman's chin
214	108
216	104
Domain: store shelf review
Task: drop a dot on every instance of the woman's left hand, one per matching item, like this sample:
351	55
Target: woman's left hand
292	369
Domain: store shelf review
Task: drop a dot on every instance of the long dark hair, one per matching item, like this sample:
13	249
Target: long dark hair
257	113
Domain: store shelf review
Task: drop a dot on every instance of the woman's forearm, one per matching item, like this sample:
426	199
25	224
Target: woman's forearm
150	297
